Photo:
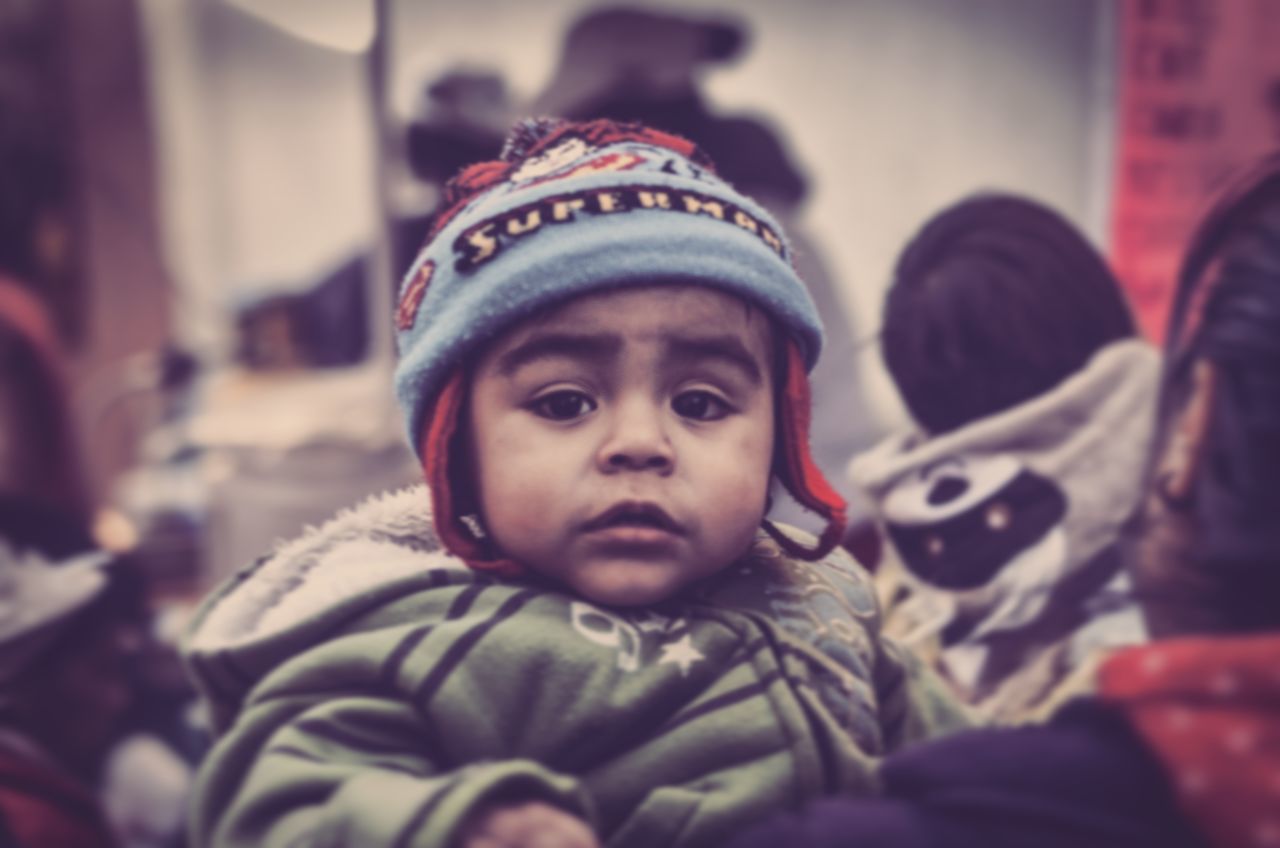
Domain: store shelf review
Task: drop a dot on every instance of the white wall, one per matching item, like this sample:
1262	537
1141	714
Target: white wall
266	168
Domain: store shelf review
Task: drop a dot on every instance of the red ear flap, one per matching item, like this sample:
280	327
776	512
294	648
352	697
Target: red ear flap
437	438
798	472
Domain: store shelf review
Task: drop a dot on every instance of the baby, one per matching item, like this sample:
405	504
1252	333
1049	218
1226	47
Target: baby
592	635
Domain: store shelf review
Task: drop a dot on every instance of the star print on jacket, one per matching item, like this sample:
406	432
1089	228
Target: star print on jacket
682	653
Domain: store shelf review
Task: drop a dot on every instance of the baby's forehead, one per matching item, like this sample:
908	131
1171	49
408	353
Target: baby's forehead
671	309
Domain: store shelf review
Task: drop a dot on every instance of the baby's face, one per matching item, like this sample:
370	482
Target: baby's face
622	442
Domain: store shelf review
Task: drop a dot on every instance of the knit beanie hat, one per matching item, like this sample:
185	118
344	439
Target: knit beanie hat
576	208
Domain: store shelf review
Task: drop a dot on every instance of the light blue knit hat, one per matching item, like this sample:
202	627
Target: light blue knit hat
574	208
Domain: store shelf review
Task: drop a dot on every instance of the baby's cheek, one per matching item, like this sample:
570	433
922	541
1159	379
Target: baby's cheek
739	492
521	497
747	466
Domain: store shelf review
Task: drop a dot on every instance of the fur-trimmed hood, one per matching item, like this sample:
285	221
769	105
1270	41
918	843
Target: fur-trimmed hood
387	536
350	564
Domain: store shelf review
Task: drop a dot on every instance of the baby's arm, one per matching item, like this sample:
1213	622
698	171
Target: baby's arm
355	771
395	729
532	824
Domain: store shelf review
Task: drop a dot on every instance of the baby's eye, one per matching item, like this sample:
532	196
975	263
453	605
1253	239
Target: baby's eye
700	406
564	405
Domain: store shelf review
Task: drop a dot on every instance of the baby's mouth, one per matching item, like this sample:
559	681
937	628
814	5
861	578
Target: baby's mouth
634	514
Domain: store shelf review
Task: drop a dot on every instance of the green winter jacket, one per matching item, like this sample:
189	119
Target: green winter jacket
370	690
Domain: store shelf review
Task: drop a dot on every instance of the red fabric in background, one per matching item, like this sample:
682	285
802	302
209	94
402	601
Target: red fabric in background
1194	91
1209	709
42	809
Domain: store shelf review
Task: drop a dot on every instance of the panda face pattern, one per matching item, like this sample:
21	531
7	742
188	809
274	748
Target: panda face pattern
957	523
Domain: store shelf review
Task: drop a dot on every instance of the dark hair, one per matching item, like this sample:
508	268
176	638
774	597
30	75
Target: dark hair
35	164
1227	312
995	300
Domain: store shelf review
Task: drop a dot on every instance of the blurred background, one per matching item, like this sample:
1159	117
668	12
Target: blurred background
233	188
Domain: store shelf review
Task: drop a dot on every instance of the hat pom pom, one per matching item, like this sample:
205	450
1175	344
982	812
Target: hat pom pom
525	135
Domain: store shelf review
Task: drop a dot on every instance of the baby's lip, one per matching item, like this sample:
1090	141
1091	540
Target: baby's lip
634	513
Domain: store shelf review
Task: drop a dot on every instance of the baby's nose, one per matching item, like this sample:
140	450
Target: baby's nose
638	460
637	442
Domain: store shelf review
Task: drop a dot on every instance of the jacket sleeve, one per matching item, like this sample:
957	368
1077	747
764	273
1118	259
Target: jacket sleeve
352	771
915	703
383	736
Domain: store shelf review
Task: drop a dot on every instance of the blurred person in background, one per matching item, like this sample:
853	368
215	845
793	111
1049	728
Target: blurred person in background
1180	748
40	471
1014	350
86	699
49	753
78	664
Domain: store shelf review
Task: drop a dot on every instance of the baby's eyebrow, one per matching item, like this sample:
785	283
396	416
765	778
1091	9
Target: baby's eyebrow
586	346
726	348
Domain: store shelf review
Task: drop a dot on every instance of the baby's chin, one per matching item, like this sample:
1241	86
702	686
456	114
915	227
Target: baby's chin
622	583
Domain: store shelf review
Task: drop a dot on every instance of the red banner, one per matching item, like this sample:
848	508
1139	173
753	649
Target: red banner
1199	95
